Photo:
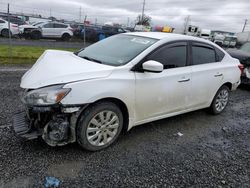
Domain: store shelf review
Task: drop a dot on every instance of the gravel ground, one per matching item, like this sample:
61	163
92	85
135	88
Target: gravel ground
214	151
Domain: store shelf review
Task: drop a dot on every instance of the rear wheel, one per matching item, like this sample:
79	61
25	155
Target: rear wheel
99	126
5	33
66	37
220	100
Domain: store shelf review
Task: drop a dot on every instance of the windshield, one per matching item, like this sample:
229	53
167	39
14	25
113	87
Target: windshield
245	47
117	50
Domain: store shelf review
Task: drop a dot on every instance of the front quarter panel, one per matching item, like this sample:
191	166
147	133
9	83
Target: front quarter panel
119	85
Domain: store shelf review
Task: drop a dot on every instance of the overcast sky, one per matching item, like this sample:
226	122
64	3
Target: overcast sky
226	15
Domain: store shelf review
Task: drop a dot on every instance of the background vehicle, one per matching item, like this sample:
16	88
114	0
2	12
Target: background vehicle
243	37
96	33
56	30
14	20
30	31
243	54
205	34
230	41
120	82
192	30
4	29
218	39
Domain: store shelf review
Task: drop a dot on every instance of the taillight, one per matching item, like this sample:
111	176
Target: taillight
241	67
13	25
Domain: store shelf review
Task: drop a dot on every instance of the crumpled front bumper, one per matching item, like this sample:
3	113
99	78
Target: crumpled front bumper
55	124
22	126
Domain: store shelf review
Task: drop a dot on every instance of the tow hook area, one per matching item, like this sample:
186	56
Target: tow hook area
59	131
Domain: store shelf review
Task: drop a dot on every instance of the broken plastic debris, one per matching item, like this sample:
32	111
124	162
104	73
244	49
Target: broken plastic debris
51	182
179	134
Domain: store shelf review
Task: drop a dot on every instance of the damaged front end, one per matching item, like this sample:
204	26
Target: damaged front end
46	117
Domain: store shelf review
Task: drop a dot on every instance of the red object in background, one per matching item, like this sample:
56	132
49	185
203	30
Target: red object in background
158	28
241	67
86	22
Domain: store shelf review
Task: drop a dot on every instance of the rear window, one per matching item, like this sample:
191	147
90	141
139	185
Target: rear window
220	54
203	55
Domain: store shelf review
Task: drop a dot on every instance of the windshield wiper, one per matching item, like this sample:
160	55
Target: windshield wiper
91	59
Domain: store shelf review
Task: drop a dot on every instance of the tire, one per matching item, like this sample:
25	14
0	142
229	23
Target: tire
66	37
5	33
220	100
36	35
99	126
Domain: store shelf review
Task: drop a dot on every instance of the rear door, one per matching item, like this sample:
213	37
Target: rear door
48	30
207	73
59	29
159	94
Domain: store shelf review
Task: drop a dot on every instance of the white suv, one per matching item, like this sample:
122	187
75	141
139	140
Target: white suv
4	31
56	30
120	82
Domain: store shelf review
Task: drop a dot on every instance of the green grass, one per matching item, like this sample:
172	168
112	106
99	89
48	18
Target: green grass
24	54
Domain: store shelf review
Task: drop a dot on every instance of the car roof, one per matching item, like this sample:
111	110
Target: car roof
167	36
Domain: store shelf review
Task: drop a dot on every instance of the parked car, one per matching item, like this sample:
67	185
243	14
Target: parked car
110	30
121	82
96	33
30	31
4	28
14	20
243	55
56	30
230	41
92	33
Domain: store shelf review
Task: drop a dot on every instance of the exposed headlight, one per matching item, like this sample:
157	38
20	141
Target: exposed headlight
46	96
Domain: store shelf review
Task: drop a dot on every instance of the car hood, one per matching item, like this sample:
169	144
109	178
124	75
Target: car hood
58	67
242	56
27	26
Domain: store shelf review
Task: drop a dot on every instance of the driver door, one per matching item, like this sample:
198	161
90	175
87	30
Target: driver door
160	94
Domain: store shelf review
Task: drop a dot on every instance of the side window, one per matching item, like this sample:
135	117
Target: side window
202	54
220	54
171	56
1	21
56	25
48	25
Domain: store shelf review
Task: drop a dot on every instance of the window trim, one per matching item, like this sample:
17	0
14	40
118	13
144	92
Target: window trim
203	45
138	66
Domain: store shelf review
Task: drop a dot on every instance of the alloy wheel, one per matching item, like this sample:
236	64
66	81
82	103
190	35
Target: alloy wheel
222	100
102	128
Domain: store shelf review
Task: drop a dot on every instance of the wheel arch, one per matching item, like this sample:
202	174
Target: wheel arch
120	104
229	85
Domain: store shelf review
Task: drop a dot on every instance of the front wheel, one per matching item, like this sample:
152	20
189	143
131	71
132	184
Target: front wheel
220	100
5	33
99	126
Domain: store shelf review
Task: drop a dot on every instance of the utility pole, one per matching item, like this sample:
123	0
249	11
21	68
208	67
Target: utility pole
50	12
10	46
80	15
128	22
186	22
84	33
244	25
143	8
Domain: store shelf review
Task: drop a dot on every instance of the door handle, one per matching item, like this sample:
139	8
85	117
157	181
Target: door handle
218	75
184	80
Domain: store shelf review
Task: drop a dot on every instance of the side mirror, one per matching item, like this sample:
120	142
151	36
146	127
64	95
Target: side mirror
152	66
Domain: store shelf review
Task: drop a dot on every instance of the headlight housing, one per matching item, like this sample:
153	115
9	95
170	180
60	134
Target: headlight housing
46	96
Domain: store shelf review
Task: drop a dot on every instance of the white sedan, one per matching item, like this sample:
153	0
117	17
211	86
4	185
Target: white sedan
123	81
4	28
